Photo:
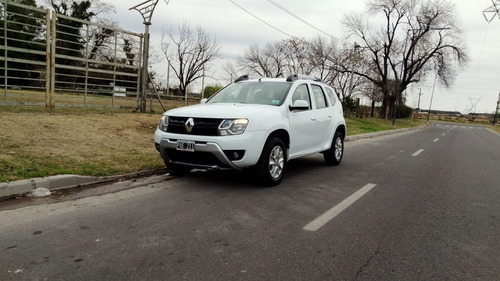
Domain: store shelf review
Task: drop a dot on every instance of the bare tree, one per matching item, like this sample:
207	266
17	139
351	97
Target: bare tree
328	57
279	58
320	57
230	71
266	62
417	37
188	53
297	55
99	37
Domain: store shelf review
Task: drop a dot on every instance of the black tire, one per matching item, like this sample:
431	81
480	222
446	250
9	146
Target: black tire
333	156
270	168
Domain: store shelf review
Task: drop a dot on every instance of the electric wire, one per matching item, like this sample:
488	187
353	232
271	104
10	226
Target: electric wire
304	21
266	23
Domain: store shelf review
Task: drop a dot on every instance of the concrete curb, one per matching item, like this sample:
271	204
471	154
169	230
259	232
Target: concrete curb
496	133
384	133
23	187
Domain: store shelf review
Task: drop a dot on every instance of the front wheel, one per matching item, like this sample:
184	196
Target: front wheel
333	156
271	166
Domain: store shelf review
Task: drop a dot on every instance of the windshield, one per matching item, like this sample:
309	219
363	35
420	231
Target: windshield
270	93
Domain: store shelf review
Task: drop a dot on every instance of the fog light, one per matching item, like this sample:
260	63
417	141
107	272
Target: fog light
234	154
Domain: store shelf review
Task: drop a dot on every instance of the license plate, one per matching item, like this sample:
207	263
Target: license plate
184	145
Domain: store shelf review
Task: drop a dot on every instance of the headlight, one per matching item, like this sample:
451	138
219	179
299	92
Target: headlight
230	127
163	125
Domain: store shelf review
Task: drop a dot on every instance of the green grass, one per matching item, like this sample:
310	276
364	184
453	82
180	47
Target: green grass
28	166
356	126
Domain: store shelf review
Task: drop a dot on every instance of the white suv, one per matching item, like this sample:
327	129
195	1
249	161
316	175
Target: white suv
255	123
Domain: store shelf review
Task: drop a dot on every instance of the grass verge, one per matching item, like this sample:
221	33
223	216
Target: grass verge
356	126
496	128
36	142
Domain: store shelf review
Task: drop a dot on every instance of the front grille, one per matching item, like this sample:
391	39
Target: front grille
196	158
202	126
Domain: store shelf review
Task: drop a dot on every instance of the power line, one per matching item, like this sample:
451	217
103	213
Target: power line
268	24
490	13
302	20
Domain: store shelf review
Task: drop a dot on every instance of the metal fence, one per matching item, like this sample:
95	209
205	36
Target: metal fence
48	59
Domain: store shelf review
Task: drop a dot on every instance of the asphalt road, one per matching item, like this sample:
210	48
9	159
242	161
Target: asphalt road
415	206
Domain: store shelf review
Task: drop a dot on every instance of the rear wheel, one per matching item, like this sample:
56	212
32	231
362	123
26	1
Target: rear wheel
271	166
333	156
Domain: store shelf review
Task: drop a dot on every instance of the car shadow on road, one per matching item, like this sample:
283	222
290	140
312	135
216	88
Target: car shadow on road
297	169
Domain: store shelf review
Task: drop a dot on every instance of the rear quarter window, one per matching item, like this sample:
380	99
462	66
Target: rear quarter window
332	96
319	96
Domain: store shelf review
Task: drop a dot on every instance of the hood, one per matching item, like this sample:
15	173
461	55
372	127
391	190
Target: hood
223	110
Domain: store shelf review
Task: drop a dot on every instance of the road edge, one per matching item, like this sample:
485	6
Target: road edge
23	187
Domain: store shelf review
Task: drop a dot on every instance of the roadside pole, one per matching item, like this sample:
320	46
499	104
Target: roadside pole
496	110
146	10
432	96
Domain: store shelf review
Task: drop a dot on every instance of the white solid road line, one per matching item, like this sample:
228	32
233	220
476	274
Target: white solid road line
333	212
417	152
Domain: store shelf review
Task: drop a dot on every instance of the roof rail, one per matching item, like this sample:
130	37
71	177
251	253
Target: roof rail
293	77
242	78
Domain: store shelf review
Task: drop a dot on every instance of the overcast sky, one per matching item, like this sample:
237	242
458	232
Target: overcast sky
478	84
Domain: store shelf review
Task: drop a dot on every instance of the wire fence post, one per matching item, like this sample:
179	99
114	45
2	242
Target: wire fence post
48	50
52	61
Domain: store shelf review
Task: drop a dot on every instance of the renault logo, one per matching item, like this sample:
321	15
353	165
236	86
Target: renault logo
189	125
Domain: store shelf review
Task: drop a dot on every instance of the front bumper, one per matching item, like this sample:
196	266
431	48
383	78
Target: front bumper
223	153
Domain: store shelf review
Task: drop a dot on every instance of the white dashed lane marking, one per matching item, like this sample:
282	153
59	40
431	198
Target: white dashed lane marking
417	152
333	212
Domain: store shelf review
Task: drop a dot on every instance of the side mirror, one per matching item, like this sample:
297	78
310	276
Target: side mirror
299	105
204	100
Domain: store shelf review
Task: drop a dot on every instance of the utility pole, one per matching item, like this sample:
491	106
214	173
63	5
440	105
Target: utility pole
202	84
418	105
432	96
168	79
489	14
419	95
496	110
352	68
146	10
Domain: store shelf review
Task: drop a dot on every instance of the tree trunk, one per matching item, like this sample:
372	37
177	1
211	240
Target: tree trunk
387	110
